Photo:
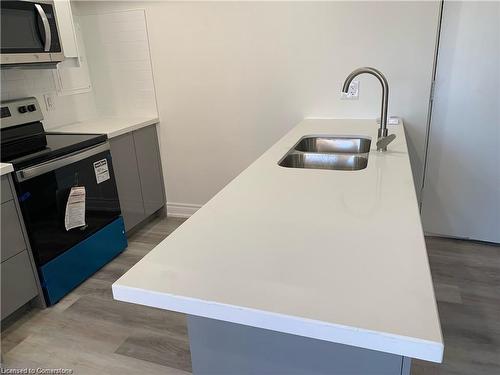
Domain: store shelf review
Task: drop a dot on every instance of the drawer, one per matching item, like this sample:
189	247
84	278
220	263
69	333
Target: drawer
6	192
18	283
12	239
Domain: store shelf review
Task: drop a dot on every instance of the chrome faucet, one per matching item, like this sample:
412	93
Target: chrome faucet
383	138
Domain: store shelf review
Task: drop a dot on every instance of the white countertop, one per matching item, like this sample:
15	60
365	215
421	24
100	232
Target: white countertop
5	168
332	255
111	126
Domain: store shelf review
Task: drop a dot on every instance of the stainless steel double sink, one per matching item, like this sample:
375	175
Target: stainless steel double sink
345	153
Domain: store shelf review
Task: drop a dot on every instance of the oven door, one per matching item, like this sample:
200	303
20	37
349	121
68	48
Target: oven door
43	192
29	32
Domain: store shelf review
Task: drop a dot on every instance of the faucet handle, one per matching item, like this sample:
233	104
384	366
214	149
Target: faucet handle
382	142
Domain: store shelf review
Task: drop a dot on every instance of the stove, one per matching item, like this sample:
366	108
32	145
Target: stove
67	193
24	141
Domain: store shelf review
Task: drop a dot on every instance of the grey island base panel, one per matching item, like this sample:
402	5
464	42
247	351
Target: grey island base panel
222	348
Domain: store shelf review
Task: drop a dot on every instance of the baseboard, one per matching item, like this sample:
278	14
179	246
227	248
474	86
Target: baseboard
450	237
182	209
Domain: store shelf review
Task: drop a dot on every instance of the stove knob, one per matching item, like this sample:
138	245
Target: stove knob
31	108
22	109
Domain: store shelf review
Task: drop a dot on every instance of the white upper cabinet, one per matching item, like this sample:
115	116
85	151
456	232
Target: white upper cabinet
72	74
66	27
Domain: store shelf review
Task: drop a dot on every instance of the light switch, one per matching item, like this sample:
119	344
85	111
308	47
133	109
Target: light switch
50	104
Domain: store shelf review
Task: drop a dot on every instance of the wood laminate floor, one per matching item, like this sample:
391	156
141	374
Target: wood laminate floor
91	333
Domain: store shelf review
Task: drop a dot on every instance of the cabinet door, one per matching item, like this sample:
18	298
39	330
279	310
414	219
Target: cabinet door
12	239
18	283
127	179
6	192
72	75
150	172
66	27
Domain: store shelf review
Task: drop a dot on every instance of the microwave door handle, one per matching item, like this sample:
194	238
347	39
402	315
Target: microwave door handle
46	27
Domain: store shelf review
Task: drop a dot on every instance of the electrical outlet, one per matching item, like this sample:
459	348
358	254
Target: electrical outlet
50	104
353	93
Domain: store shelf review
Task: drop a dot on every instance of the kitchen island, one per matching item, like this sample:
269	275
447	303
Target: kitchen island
303	271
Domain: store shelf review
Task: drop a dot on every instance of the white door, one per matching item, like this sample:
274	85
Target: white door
461	195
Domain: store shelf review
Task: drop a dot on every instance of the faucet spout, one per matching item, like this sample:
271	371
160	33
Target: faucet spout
382	131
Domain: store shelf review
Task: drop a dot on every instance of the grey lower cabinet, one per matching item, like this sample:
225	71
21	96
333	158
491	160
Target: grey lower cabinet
219	347
150	171
127	178
19	283
12	239
138	173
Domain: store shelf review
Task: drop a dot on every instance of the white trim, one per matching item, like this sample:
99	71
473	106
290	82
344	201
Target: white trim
182	209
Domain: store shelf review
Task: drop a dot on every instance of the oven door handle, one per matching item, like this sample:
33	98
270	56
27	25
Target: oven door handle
46	27
37	170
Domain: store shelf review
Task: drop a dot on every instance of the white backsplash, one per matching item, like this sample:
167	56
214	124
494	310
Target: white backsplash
19	83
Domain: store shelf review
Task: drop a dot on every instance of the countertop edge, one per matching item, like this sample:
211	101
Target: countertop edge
372	340
101	125
6	168
133	127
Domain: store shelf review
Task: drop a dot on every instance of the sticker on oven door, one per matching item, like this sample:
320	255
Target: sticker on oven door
75	208
101	170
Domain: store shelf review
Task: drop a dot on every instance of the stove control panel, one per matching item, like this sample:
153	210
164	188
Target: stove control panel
20	111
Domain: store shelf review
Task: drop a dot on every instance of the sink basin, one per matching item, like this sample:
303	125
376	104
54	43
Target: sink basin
341	161
334	144
344	153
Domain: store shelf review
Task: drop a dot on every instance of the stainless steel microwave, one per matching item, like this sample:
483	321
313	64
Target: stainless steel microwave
29	33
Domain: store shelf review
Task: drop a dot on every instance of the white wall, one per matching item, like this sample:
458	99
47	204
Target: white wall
233	77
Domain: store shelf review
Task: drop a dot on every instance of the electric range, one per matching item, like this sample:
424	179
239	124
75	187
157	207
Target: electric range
67	192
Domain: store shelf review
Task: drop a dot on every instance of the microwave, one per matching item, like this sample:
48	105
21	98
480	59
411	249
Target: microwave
29	33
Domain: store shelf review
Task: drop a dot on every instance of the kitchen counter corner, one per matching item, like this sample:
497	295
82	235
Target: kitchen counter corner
111	126
6	168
